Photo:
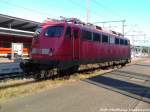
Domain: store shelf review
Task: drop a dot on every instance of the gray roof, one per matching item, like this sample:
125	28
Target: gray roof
14	32
17	23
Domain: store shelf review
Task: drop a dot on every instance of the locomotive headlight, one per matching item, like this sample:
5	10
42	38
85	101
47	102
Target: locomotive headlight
42	51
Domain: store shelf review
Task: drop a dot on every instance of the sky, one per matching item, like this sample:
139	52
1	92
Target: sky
135	12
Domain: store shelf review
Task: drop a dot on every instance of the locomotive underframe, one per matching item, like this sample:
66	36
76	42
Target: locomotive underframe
32	67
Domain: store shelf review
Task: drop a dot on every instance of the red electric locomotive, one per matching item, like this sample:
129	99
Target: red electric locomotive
66	44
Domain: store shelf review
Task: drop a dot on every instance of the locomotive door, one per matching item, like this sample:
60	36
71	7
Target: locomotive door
76	37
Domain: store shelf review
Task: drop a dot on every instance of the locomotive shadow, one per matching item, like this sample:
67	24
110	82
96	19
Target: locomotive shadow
85	71
132	75
132	90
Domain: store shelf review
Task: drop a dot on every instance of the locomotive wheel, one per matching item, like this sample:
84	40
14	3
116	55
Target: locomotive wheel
61	72
50	74
123	64
36	76
40	75
76	68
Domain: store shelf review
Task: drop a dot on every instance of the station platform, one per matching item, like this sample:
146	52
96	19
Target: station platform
8	66
124	90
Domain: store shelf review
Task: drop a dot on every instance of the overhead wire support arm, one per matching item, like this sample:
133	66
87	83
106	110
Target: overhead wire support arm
122	21
87	10
111	21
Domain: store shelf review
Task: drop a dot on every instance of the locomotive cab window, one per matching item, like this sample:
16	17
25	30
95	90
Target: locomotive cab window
105	39
68	32
54	31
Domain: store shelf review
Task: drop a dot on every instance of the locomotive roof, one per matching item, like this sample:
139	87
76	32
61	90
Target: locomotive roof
81	25
93	29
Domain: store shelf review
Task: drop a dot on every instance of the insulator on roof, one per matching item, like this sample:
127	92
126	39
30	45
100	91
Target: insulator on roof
114	32
50	19
90	24
99	28
72	20
119	34
62	18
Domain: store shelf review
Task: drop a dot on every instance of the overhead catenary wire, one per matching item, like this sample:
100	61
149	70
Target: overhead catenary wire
91	10
45	13
111	11
25	8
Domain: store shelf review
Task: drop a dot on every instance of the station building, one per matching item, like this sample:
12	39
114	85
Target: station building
16	30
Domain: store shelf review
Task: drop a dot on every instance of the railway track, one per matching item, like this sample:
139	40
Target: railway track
13	70
11	76
19	74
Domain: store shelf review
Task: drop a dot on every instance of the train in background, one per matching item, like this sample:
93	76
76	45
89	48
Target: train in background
65	44
9	36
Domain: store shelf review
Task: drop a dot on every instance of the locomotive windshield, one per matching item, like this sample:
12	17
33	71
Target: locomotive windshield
54	31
